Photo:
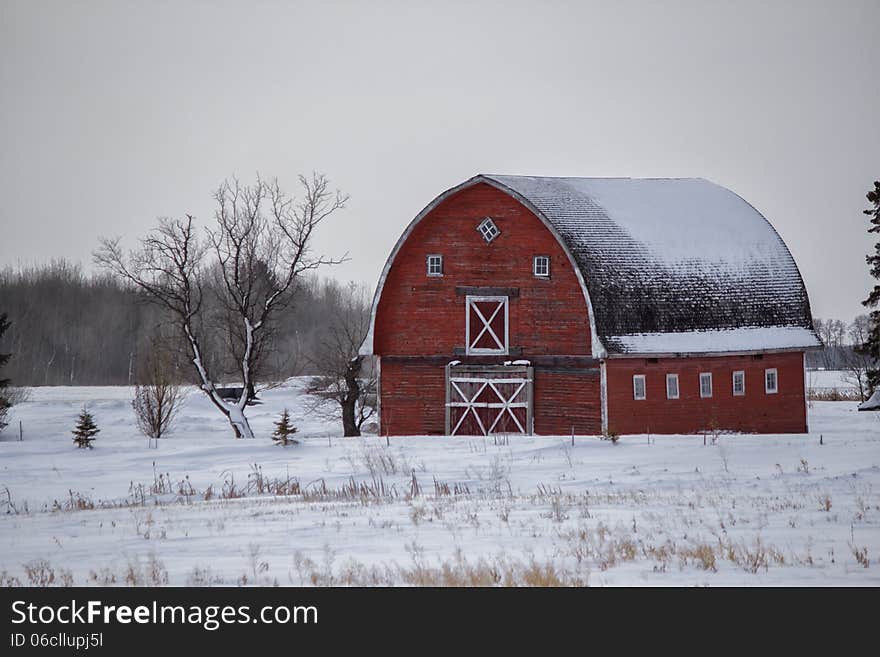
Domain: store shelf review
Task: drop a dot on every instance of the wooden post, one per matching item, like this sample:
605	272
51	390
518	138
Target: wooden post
572	436
530	391
20	432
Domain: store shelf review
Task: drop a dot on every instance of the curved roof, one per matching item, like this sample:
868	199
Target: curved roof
669	265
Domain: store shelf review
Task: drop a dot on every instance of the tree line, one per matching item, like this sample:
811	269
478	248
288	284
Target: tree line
69	327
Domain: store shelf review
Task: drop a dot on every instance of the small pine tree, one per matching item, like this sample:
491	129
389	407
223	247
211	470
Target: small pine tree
284	430
85	431
872	346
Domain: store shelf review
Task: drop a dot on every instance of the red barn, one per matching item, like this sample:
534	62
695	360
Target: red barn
522	304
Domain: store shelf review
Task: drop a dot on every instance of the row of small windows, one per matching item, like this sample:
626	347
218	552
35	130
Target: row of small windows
771	384
540	265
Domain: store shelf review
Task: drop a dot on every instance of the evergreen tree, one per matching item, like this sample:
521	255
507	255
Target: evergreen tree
284	430
4	358
872	346
5	403
85	431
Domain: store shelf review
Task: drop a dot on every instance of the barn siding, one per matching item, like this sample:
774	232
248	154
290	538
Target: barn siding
756	411
566	401
419	315
413	399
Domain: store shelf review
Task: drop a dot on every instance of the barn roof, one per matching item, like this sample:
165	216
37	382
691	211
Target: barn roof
673	265
668	265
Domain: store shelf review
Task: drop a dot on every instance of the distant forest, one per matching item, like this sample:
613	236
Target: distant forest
72	328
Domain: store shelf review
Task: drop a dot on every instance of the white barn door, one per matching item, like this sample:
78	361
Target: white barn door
484	400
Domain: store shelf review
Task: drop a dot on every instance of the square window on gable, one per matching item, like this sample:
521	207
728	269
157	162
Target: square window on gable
435	265
488	229
541	266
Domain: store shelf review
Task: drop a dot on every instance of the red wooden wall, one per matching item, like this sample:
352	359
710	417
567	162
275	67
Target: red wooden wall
756	411
566	401
421	315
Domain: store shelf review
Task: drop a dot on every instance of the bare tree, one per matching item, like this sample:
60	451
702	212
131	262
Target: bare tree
262	245
158	395
345	387
856	361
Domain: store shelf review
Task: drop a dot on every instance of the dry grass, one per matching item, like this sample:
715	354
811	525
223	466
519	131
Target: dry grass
456	572
833	394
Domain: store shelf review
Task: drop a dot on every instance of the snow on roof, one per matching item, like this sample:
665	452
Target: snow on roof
682	258
720	341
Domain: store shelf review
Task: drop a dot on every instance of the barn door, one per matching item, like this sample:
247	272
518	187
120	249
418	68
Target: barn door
483	400
486	325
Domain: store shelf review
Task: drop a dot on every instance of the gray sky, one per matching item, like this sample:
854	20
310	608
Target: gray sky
114	113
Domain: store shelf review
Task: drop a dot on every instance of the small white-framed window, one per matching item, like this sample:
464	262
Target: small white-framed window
705	384
486	326
639	390
541	266
672	386
771	381
739	384
488	229
435	265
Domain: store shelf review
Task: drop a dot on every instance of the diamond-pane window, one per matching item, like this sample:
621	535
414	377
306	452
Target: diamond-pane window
488	229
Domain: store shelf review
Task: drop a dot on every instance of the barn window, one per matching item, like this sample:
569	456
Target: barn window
486	325
739	384
771	381
435	265
672	386
541	266
488	229
706	384
639	386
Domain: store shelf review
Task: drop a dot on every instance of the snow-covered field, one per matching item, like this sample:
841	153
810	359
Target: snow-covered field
828	380
204	508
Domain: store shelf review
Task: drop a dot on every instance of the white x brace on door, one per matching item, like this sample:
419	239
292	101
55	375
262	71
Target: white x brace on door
486	330
482	400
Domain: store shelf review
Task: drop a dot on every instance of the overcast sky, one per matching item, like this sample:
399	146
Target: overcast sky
115	113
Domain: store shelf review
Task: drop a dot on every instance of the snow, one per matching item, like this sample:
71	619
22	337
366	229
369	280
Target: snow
872	403
678	219
821	380
637	512
723	340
